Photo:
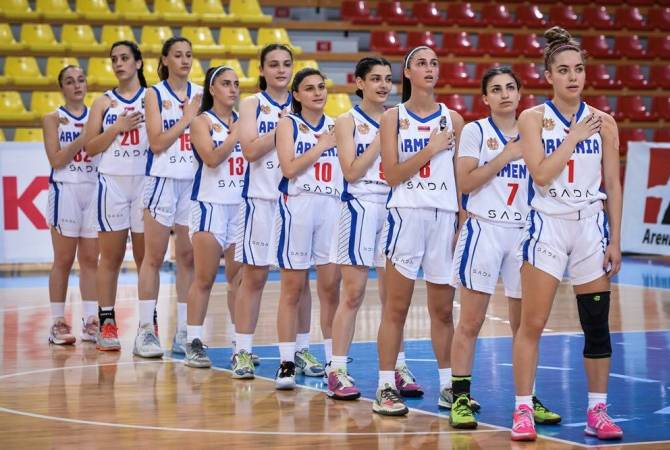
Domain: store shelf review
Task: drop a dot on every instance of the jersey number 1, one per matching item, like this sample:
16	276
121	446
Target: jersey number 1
571	171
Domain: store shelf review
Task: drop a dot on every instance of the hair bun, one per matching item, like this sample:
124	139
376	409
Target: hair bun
557	35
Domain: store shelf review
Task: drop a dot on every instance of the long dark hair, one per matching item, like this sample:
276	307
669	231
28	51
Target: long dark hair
163	71
365	65
493	71
301	75
406	61
212	74
262	83
61	74
137	54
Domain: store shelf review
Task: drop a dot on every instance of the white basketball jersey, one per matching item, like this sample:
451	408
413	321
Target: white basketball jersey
83	168
177	160
504	199
578	185
127	155
325	176
372	185
222	184
263	175
434	186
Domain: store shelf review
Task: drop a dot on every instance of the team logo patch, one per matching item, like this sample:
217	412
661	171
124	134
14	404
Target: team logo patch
492	143
548	123
167	104
330	127
303	128
113	104
403	124
217	127
363	128
63	120
265	109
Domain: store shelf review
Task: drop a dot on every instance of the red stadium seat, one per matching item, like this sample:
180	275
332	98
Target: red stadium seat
428	13
564	16
659	46
530	76
417	38
600	102
358	12
526	102
597	17
527	44
627	135
386	42
598	76
630	46
393	13
659	76
641	2
493	44
455	102
629	18
497	15
482	68
462	14
632	77
597	47
631	107
455	74
530	16
479	110
659	18
459	44
662	135
660	108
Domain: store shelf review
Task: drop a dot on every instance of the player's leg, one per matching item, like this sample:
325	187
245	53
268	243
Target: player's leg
64	249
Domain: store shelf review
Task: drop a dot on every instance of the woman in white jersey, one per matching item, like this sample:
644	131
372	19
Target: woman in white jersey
569	148
493	179
418	144
216	198
307	216
71	208
170	107
116	131
359	243
259	115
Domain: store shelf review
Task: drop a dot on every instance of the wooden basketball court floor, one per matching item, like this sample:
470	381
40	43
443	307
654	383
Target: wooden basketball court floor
76	397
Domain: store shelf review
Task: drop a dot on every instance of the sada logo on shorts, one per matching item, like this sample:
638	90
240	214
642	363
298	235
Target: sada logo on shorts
657	203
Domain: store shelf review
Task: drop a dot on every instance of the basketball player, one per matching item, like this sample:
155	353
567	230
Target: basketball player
493	178
116	131
216	194
418	145
359	245
308	209
569	148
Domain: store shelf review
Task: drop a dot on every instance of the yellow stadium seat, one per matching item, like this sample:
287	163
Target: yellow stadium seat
17	9
276	36
11	107
79	38
2	135
113	33
337	104
95	10
197	75
28	135
39	37
152	37
173	10
245	81
100	72
151	70
202	41
248	11
210	10
42	103
55	9
90	98
134	9
24	71
254	69
56	63
300	64
244	95
7	41
237	41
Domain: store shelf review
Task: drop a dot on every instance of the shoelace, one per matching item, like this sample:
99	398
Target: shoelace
602	418
91	327
390	394
406	375
244	359
524	419
198	349
310	358
343	378
150	338
108	330
462	406
286	370
62	328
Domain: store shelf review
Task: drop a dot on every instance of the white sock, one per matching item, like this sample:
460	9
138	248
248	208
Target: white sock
89	308
57	310
400	362
302	341
523	400
328	348
181	315
193	332
597	397
338	362
445	377
533	388
107	308
386	377
286	351
243	342
147	308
